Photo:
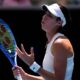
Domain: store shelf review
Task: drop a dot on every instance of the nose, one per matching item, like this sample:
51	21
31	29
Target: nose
44	18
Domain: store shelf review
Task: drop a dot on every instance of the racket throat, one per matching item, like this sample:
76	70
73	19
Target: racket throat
14	59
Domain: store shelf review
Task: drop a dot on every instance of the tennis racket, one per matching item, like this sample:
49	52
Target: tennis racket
8	44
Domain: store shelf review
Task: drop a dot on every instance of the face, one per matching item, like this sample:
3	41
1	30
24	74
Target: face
49	22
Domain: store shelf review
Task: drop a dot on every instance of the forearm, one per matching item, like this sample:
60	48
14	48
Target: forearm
46	74
32	77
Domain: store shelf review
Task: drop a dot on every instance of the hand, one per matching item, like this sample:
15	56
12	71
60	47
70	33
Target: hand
18	70
27	58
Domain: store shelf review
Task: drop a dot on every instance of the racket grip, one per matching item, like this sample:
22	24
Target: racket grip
18	77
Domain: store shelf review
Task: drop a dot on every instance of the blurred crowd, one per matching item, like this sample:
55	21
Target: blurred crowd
15	3
28	3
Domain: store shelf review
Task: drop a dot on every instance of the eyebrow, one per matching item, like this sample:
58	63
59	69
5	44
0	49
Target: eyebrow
49	14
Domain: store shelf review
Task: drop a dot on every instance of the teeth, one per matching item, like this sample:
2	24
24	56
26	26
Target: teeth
9	51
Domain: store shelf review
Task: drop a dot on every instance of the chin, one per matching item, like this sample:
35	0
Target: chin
44	29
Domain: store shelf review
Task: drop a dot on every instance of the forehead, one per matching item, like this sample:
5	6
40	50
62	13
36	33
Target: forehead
49	14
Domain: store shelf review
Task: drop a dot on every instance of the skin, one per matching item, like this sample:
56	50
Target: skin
62	50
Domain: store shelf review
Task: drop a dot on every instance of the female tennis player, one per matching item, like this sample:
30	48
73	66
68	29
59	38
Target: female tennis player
58	62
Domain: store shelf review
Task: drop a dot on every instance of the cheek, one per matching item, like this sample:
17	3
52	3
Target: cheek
51	23
48	24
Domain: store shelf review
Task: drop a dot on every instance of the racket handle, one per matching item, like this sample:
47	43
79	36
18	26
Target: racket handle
18	77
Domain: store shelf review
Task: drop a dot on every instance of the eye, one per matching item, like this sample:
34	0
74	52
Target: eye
49	15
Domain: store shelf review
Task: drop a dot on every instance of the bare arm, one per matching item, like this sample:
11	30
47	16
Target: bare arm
60	60
44	75
25	76
61	50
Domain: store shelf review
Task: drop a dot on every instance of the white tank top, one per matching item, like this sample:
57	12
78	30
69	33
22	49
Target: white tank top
48	61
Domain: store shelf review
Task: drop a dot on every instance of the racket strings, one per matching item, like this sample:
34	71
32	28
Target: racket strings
6	39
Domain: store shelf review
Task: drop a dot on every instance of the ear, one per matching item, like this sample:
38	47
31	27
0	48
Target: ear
59	22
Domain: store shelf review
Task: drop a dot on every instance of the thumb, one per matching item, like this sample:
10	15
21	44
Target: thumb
22	48
32	51
20	69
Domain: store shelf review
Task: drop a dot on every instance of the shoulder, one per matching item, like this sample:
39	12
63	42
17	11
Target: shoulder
61	46
61	43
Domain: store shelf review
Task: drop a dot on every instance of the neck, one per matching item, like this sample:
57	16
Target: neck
50	35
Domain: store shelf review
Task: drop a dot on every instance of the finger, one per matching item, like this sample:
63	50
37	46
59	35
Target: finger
32	51
18	70
23	50
18	50
19	53
14	67
21	70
